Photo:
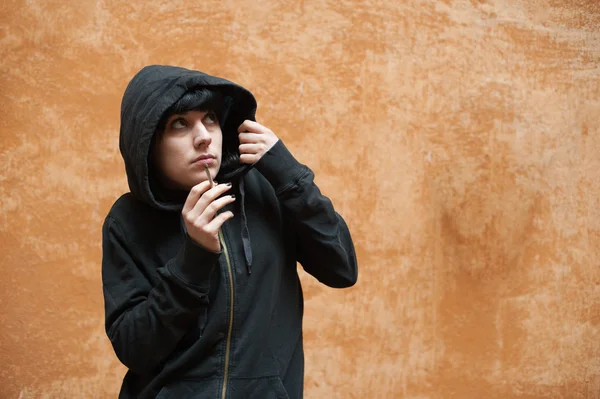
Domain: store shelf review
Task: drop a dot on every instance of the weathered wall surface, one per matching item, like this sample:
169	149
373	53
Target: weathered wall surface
460	139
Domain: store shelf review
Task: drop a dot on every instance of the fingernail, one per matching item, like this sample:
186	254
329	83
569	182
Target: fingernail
233	196
228	184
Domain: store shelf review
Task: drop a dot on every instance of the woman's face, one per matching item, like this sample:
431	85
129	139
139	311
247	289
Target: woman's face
189	141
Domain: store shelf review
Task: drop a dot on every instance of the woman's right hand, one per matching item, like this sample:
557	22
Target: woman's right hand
200	213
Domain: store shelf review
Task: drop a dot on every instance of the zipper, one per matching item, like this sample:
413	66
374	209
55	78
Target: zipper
231	298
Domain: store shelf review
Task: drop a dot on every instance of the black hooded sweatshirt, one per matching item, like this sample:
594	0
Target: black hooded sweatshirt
191	323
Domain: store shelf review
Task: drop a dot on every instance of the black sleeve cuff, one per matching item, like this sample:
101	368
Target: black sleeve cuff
279	167
194	264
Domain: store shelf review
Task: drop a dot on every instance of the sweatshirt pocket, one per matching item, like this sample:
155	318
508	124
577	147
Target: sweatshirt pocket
259	388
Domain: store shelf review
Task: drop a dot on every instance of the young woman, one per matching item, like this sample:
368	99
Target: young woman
202	295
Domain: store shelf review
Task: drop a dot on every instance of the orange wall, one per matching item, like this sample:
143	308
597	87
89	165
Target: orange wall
459	138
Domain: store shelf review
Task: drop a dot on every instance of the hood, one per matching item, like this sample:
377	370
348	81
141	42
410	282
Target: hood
150	93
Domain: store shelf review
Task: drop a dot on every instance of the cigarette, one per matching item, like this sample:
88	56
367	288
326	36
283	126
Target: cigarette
212	183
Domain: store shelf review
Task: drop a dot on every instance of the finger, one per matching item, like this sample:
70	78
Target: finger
206	198
246	138
251	148
194	195
213	208
250	159
251	126
217	222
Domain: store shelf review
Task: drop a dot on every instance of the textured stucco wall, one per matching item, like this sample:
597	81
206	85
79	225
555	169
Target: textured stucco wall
459	138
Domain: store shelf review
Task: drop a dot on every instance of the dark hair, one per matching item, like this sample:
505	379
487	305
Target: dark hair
200	99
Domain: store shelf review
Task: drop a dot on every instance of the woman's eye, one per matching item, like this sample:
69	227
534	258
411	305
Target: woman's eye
211	118
178	123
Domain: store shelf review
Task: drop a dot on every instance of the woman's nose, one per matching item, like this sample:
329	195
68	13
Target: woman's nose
201	135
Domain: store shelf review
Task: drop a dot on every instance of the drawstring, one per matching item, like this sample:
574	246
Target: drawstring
245	232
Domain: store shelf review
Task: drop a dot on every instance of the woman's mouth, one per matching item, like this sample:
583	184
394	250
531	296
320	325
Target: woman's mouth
204	160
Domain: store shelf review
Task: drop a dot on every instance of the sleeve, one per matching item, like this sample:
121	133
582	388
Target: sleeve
324	244
145	323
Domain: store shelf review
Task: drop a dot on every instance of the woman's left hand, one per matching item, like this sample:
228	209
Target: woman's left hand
255	141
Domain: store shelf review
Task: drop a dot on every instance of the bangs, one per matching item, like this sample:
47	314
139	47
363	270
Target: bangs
197	100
